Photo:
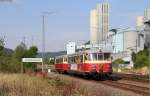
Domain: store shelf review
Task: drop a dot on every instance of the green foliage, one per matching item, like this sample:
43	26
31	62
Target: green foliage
31	52
46	60
142	59
12	63
56	81
49	61
9	64
20	52
118	61
1	45
133	56
52	61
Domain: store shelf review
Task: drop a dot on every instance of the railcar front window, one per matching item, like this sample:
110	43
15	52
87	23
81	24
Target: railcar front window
96	56
107	56
100	56
71	60
93	56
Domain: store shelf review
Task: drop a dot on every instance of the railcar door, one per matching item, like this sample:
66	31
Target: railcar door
81	64
65	63
73	65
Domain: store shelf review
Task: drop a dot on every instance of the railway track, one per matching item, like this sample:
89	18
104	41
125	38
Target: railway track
132	77
129	87
116	84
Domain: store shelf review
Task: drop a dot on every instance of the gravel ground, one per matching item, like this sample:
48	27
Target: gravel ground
95	89
134	83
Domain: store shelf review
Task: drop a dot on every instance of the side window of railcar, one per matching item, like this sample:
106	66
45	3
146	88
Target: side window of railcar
71	60
77	59
65	59
93	56
59	60
86	57
56	61
81	58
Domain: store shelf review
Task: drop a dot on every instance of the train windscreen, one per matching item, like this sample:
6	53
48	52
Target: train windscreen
98	56
107	56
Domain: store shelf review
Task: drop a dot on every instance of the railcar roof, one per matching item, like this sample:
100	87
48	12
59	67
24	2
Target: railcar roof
60	56
92	51
82	52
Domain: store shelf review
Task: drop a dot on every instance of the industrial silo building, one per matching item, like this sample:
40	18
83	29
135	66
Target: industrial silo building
130	42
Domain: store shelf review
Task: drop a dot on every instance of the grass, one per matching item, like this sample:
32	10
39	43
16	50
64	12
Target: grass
25	85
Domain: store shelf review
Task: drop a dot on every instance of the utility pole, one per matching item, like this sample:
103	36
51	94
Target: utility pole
32	41
21	67
43	41
24	39
43	36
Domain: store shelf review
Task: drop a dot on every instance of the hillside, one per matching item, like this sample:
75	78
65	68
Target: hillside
52	54
8	51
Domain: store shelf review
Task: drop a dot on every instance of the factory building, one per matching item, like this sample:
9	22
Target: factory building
99	22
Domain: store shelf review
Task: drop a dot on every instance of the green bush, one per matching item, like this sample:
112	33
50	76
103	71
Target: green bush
56	81
118	61
141	59
9	64
12	62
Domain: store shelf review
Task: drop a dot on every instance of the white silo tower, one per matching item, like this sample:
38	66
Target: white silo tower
130	40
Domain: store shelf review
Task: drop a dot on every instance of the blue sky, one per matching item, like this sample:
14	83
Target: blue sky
70	22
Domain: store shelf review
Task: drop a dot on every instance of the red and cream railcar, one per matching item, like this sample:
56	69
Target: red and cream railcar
87	63
61	64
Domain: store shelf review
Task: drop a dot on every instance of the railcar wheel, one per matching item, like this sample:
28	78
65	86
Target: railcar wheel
96	77
65	72
86	76
106	77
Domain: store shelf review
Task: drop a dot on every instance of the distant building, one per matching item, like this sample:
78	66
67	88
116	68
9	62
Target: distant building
103	21
93	25
130	41
118	42
99	23
147	35
125	40
147	26
146	14
139	23
140	28
71	47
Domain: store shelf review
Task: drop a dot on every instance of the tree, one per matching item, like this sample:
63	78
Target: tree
12	63
52	61
117	62
9	64
141	59
31	52
20	52
133	56
1	45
